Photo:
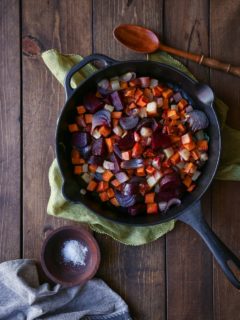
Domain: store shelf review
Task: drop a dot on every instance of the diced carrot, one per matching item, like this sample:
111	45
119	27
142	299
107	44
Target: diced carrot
165	103
103	196
138	93
181	128
166	163
191	188
115	122
115	183
132	105
174	139
190	146
116	114
187	181
186	138
157	91
123	84
129	92
110	193
149	197
195	154
189	168
140	172
77	161
107	175
109	143
182	104
126	155
152	208
102	186
105	131
172	114
202	145
142	102
137	150
92	167
75	153
150	170
73	127
130	172
92	185
78	170
114	202
148	93
88	118
167	93
81	109
175	158
134	82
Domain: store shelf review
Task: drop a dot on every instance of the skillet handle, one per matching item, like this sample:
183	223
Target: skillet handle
194	218
93	57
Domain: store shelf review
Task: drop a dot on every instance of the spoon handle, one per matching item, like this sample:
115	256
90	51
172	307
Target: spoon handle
201	59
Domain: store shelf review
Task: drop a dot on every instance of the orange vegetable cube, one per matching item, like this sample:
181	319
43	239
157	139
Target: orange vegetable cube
132	105
167	93
138	93
195	154
152	208
115	122
116	114
102	186
105	131
73	127
137	150
165	103
129	92
187	181
149	197
92	167
190	146
140	172
109	143
103	196
92	185
191	188
174	139
88	118
181	128
172	114
202	145
107	175
81	109
150	170
123	84
157	91
182	104
175	158
114	202
110	193
142	102
78	170
115	183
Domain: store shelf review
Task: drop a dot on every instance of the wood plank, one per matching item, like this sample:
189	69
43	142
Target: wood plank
64	25
137	273
224	28
189	264
10	163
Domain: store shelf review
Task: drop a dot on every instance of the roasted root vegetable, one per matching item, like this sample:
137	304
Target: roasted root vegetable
138	143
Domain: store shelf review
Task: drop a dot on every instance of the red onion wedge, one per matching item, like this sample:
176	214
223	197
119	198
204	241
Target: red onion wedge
101	118
99	148
80	139
128	123
132	164
125	201
117	101
92	103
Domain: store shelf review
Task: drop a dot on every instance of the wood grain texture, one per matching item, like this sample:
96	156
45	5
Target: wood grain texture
137	273
10	167
189	264
226	202
65	25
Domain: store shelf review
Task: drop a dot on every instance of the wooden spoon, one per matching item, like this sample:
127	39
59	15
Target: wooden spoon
146	41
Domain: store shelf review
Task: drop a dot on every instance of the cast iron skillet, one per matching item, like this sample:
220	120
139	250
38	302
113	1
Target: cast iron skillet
190	209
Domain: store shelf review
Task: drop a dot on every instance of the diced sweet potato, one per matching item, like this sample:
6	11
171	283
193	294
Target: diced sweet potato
92	185
152	208
73	127
149	197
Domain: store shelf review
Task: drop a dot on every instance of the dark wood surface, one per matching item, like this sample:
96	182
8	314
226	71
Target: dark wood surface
174	278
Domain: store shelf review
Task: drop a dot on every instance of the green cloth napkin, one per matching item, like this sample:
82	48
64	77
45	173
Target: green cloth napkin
229	169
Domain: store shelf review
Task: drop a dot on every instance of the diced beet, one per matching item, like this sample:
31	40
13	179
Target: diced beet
80	121
170	181
116	162
128	123
127	142
117	101
137	209
96	160
85	152
148	122
164	195
101	118
92	103
160	140
99	148
80	139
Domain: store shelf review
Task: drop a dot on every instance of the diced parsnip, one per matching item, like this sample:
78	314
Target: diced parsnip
100	169
168	152
159	102
174	107
162	205
118	131
153	83
96	134
196	175
143	113
126	155
109	107
85	167
151	181
186	138
115	85
83	191
185	154
152	108
136	136
203	156
156	163
122	177
157	175
145	132
108	165
86	177
199	135
180	165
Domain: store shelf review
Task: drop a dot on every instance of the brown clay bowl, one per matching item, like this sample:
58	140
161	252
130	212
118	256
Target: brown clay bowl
67	274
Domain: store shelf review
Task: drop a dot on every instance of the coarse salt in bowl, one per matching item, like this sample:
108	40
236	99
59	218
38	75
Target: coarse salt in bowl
70	256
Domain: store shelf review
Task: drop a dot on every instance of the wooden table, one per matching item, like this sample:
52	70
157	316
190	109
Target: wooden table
174	278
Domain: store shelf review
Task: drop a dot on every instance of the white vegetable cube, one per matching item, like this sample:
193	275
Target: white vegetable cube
151	181
109	107
204	156
168	152
186	138
85	167
108	165
118	131
136	136
157	175
100	169
96	134
152	107
86	177
180	165
145	132
83	191
143	113
115	85
185	154
196	175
